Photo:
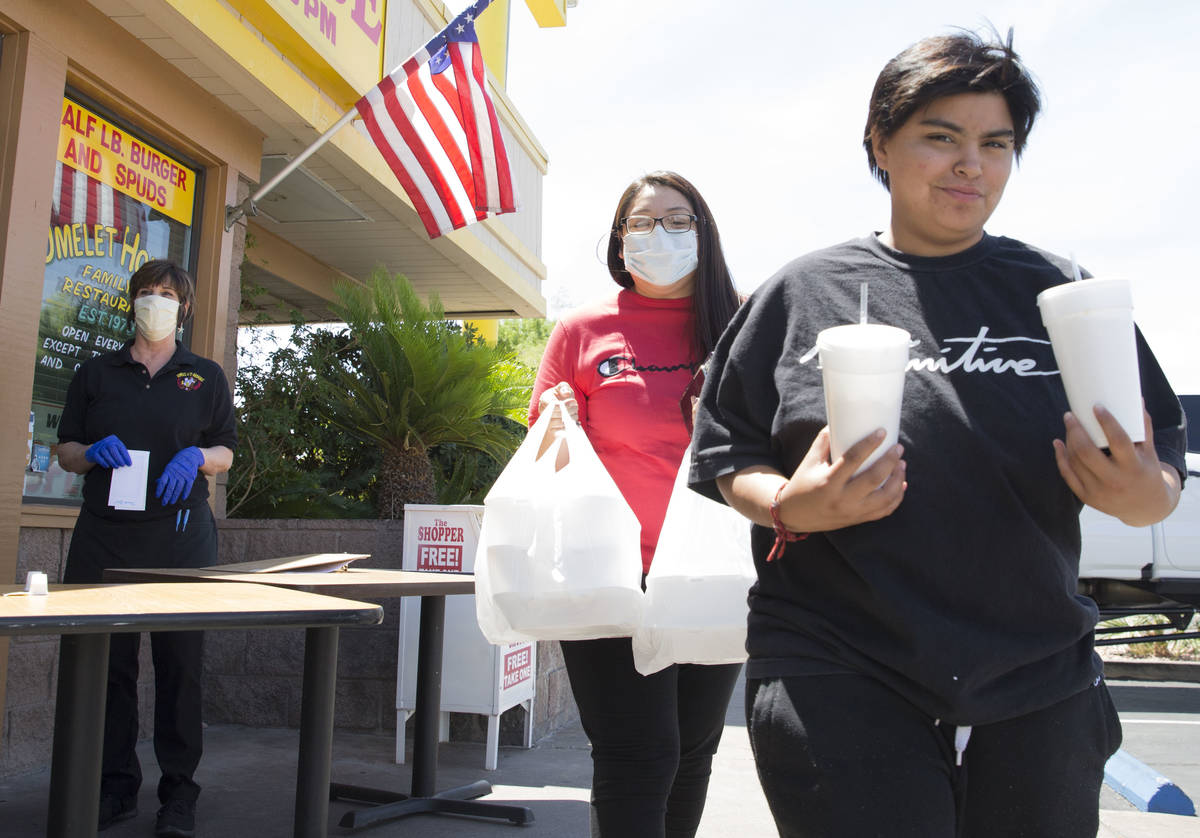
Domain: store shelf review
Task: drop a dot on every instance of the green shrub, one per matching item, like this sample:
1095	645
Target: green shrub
398	391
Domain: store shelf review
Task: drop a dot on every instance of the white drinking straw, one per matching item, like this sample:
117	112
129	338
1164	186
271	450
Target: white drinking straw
1075	268
862	302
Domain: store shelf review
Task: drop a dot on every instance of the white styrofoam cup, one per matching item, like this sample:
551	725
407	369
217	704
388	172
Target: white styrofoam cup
1090	323
37	583
862	368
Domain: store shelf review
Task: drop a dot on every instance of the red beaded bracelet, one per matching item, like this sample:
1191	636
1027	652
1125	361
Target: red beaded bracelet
782	533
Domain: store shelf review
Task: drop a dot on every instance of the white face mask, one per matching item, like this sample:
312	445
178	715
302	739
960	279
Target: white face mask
156	317
661	258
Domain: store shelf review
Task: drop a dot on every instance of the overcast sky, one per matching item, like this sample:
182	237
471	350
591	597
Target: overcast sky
761	103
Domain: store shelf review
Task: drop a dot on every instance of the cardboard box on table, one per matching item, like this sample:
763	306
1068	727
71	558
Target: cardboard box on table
477	677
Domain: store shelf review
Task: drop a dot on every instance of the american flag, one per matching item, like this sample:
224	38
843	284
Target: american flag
81	199
434	123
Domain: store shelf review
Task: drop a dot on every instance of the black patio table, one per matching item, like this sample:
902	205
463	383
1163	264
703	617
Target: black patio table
86	615
370	583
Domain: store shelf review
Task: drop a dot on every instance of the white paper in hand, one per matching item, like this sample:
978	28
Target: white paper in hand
130	483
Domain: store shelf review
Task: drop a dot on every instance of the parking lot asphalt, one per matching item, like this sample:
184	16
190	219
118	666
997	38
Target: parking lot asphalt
1160	722
248	775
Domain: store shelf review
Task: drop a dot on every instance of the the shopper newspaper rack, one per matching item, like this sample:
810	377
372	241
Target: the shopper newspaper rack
477	677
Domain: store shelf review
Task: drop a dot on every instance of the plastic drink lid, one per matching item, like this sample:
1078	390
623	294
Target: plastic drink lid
863	347
1086	295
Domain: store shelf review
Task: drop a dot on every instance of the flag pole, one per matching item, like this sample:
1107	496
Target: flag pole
247	207
235	212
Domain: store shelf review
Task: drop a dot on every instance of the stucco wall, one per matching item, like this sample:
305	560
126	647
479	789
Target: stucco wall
254	677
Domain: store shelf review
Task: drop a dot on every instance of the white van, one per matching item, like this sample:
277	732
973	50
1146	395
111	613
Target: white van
1153	569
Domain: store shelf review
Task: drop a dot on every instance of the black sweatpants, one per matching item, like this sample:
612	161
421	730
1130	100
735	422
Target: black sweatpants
843	755
653	737
178	656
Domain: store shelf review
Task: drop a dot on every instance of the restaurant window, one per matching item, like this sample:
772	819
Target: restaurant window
119	200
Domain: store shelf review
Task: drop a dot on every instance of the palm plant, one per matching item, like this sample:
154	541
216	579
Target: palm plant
409	380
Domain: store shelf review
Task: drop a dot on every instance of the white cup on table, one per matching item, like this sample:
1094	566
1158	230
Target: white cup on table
37	583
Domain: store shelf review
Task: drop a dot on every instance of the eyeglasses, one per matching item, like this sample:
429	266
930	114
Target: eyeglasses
643	225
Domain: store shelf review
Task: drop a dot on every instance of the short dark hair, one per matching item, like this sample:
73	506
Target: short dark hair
166	273
714	299
946	65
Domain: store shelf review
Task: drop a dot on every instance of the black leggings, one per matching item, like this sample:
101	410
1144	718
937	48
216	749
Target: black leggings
653	737
843	755
178	656
178	728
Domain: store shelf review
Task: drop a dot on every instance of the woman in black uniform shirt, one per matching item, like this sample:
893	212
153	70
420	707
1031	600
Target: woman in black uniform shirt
152	395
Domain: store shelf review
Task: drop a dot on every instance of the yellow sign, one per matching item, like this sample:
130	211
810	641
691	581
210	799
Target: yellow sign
345	35
548	12
109	154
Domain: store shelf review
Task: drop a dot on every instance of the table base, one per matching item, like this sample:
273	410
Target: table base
424	798
78	736
390	805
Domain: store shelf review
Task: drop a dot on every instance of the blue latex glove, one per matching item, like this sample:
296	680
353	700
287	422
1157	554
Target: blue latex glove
177	478
109	452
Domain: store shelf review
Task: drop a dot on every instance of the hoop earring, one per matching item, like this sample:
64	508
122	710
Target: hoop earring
602	248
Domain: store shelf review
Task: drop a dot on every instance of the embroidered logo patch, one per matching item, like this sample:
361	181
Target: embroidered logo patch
611	366
616	364
189	380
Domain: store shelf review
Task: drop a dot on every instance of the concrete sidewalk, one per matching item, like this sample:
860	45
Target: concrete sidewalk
248	775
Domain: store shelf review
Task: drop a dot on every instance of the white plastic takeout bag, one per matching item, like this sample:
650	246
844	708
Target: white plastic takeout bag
559	554
695	609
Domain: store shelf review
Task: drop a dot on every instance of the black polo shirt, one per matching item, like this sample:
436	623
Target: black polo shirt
187	403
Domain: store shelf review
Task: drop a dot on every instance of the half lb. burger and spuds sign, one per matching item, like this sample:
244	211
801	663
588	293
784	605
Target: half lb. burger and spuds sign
89	143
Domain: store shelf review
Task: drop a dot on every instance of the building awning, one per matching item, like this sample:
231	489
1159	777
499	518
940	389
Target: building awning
342	214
